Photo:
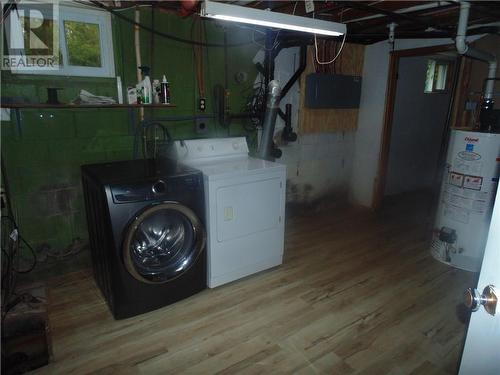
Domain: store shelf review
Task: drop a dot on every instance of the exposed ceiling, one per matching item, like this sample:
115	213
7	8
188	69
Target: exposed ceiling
367	20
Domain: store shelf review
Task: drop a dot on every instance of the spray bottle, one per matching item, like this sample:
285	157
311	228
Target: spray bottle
145	86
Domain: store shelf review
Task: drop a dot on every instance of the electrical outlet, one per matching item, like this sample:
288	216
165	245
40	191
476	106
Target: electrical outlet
202	104
201	125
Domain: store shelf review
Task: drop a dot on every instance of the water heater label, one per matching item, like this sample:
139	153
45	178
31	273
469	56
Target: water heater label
473	182
467	165
469	155
469	147
459	200
456	179
456	213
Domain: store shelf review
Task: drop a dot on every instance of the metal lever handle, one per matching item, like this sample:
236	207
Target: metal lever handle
488	299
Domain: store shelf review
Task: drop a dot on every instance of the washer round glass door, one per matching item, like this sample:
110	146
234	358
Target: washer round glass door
163	242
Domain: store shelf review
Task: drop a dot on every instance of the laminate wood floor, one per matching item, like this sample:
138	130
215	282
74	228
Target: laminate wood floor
358	293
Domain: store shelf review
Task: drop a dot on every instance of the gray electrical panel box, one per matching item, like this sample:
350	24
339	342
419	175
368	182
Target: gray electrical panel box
332	91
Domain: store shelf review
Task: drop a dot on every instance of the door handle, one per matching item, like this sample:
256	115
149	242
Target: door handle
488	299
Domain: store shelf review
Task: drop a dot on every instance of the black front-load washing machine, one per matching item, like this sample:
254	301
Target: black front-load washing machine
147	232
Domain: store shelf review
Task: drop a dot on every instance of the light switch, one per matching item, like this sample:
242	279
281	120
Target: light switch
228	213
5	114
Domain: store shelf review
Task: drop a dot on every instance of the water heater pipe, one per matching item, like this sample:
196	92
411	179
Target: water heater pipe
464	49
272	107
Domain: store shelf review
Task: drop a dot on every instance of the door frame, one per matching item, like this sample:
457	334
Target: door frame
392	80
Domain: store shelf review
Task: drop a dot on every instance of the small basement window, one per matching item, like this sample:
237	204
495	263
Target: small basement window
436	78
80	39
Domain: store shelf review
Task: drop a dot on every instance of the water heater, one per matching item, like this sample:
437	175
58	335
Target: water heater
467	194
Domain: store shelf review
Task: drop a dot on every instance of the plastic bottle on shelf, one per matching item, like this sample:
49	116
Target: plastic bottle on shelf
156	91
119	89
145	86
165	91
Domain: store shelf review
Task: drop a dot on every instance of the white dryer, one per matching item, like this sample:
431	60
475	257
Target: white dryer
245	207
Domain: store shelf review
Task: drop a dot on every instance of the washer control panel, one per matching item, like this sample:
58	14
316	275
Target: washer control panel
160	189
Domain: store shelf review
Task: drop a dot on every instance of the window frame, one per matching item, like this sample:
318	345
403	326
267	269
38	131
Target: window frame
86	15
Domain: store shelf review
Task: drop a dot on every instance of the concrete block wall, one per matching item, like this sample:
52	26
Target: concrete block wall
318	165
43	161
43	167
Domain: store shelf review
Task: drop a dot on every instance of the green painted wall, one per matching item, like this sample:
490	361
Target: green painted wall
43	162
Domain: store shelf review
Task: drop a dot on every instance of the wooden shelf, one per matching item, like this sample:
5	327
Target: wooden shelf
81	106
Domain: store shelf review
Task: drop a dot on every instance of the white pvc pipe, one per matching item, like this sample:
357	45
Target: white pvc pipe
462	28
464	49
490	84
137	42
400	11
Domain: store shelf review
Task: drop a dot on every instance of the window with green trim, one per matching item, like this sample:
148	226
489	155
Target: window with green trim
83	36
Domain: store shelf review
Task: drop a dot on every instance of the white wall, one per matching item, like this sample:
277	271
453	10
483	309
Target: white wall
333	163
367	140
320	164
417	128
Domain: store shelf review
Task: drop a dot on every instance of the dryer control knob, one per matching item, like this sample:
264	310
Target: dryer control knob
159	187
236	145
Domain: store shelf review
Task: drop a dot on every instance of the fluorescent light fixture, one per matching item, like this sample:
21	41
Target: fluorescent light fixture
236	13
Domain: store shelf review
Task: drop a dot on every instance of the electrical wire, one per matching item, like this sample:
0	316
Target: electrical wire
13	221
198	55
336	56
21	239
154	122
254	105
167	138
276	42
9	278
159	33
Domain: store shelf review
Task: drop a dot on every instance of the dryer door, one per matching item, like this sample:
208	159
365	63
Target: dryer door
163	242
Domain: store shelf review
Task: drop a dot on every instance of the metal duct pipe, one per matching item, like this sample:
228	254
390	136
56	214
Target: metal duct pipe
464	49
272	107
